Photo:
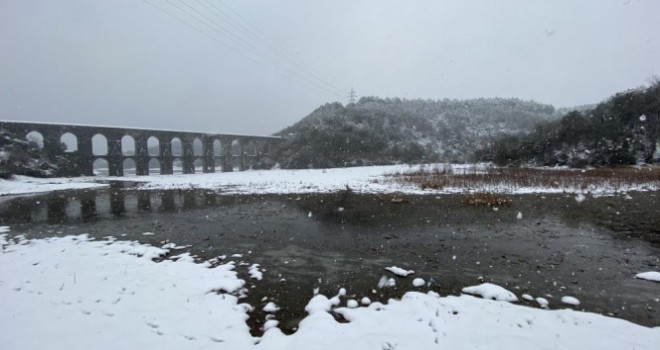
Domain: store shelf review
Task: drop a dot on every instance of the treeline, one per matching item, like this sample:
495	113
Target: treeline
377	131
623	130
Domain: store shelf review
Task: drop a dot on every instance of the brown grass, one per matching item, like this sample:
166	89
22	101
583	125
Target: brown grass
512	178
484	199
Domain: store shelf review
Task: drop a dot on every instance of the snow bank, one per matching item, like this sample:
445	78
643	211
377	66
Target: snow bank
427	321
76	293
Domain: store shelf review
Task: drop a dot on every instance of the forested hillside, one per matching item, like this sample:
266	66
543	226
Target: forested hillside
386	131
625	129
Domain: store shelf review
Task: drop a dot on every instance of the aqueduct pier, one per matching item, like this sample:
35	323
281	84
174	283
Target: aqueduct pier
117	146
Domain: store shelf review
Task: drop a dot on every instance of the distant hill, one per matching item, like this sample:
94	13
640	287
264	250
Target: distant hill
623	130
386	131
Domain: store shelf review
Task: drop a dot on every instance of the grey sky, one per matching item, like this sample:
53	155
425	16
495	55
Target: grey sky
125	62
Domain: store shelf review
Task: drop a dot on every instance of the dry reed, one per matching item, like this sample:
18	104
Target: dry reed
515	178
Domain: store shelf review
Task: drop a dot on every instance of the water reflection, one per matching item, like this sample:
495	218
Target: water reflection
144	201
90	205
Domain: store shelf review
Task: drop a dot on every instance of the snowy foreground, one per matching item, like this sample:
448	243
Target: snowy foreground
77	293
371	179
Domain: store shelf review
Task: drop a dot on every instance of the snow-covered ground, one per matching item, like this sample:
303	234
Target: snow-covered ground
76	293
26	184
371	179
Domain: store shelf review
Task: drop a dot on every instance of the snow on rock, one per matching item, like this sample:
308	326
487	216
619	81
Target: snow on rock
399	271
528	297
4	229
80	293
519	216
271	307
649	276
570	300
386	282
148	233
490	291
352	304
254	272
543	302
365	301
318	304
418	282
579	198
342	292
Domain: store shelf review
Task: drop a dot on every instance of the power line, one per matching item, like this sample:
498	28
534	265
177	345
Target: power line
241	47
255	50
202	32
254	32
260	51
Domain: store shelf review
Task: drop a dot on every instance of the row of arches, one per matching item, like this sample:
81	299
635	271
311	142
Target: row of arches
162	152
100	145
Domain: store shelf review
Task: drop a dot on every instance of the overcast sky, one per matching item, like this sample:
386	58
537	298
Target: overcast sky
255	67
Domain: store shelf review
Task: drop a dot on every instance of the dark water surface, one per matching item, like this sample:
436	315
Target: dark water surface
591	250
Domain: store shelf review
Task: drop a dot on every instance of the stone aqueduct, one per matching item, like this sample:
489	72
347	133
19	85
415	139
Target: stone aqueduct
236	150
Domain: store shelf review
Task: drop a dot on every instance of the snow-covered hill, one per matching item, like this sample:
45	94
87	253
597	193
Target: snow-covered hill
386	131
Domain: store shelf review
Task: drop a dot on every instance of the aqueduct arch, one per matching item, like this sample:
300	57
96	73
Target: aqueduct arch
148	147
